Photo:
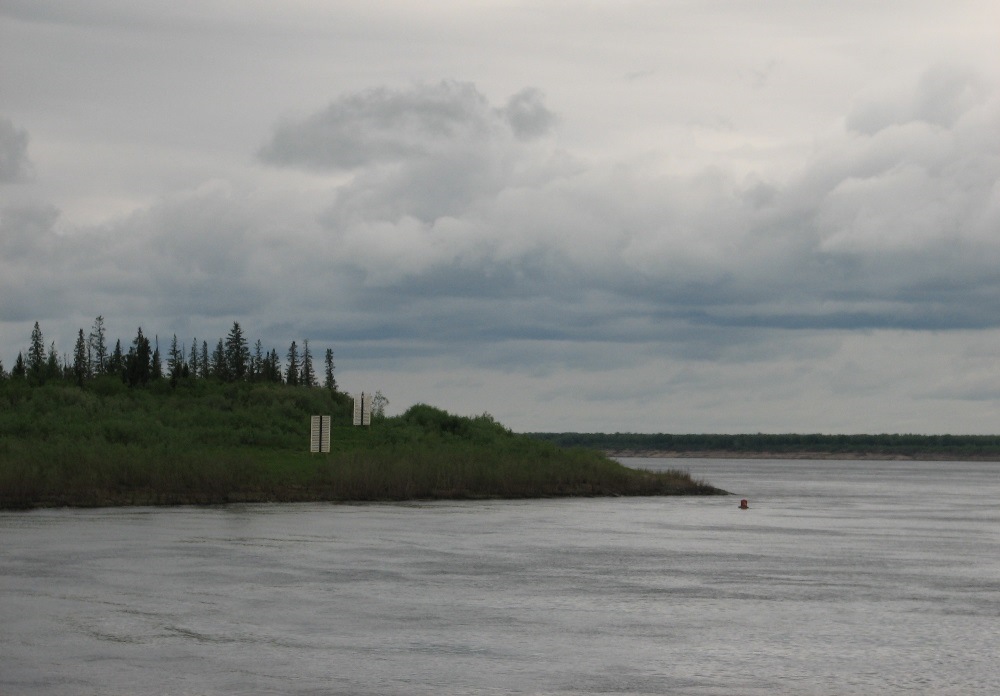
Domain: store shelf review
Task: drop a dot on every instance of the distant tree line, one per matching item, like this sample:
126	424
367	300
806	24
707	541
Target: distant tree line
882	444
142	363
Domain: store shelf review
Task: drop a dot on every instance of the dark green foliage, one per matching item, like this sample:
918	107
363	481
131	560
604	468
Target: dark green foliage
52	368
307	378
20	370
209	442
81	362
329	380
116	364
175	361
97	342
193	363
137	363
903	445
36	356
292	372
237	355
272	368
257	362
156	362
220	366
205	369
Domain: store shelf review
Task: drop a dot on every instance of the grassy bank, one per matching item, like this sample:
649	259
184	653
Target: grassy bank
204	442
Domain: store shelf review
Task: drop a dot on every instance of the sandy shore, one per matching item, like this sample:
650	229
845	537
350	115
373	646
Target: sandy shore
728	454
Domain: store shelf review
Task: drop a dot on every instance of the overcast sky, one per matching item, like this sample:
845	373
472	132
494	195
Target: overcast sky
711	216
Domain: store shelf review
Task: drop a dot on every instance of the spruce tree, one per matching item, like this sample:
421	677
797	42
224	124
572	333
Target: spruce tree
52	368
237	354
138	361
36	356
98	347
205	364
307	377
257	362
220	368
116	363
292	372
81	362
193	362
175	361
330	382
274	367
20	369
156	363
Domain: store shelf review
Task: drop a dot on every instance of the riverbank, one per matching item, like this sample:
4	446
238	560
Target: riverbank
206	444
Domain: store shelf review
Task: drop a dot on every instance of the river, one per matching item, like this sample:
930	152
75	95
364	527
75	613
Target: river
841	578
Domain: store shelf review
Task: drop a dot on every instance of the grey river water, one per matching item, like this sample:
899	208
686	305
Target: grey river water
841	578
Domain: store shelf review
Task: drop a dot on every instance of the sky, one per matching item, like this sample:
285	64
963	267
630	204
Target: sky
662	216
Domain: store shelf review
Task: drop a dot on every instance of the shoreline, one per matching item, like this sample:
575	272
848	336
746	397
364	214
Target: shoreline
802	455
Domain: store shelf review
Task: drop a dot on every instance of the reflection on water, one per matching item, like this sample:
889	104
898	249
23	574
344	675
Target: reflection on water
841	578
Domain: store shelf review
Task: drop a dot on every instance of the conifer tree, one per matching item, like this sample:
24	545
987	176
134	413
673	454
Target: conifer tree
237	354
205	365
220	369
193	362
98	347
138	361
330	382
20	370
292	371
274	367
36	355
175	361
307	377
3	375
257	362
156	362
116	363
81	361
52	368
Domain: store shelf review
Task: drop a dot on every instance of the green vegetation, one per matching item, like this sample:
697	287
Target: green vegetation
110	426
199	441
905	446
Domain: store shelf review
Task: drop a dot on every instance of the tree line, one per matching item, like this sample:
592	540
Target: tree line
902	444
142	363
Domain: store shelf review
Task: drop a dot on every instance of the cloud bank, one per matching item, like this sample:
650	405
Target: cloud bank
723	231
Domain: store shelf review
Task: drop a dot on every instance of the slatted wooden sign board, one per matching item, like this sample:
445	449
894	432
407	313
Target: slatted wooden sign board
319	435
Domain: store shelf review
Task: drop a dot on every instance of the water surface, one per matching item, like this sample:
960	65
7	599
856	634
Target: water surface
841	578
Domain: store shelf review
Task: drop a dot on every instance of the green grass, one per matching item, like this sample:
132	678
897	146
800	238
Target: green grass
208	443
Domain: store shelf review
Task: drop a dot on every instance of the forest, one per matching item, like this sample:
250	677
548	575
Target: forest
231	360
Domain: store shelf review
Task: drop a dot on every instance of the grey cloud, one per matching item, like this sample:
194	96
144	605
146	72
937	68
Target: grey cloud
471	243
942	95
384	125
26	229
28	285
527	115
887	230
188	255
14	163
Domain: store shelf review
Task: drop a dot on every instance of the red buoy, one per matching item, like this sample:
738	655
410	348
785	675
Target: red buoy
743	505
